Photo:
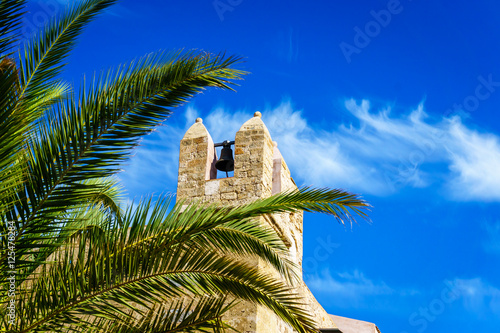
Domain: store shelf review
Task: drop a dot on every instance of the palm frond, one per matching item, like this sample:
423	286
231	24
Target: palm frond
10	19
142	277
158	226
53	94
342	205
41	61
168	258
99	210
89	139
11	134
196	314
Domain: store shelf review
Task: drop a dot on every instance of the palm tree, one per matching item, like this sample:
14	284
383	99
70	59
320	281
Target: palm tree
71	259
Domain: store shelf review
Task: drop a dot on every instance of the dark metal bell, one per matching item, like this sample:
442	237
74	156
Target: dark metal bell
226	160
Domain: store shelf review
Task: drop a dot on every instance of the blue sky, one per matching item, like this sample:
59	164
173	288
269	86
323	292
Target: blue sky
394	100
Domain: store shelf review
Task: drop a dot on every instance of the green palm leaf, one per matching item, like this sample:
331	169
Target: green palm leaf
89	140
161	258
43	55
10	19
97	212
195	315
11	134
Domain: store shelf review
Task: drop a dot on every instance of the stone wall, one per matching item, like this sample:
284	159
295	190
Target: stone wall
259	172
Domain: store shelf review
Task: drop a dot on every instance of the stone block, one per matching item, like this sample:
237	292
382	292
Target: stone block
212	187
229	196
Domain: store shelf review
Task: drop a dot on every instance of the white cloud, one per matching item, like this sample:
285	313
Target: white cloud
475	161
349	285
362	159
379	156
223	125
385	153
354	290
477	295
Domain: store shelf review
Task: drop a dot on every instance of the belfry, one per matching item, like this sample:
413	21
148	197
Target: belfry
259	172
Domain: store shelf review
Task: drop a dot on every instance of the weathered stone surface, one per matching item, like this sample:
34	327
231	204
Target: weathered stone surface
259	172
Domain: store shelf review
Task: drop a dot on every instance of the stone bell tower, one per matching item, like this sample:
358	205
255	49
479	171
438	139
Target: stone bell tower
259	172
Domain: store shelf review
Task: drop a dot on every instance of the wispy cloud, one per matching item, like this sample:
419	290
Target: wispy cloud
223	125
384	152
475	161
350	285
353	289
377	153
340	156
478	296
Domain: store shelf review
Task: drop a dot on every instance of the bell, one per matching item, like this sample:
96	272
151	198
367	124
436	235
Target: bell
226	160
